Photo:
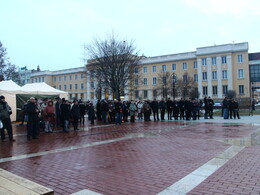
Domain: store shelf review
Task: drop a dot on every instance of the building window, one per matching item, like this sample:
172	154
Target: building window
82	76
145	69
39	79
213	60
205	91
71	96
215	90
254	73
164	80
185	78
195	65
136	82
195	77
204	76
59	87
154	68
224	74
145	81
136	94
36	80
76	86
76	77
59	78
214	75
164	68
240	58
70	86
70	77
241	89
154	93
145	94
54	79
136	70
65	87
174	67
204	61
54	86
42	79
65	78
240	73
82	85
184	66
223	59
224	89
154	80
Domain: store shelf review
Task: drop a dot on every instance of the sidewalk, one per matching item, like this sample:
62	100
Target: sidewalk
206	156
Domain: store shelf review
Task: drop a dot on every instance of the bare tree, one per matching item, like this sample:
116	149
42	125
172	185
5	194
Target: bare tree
186	87
113	61
166	84
8	71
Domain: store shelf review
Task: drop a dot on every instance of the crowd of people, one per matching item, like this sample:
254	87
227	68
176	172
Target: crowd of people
61	113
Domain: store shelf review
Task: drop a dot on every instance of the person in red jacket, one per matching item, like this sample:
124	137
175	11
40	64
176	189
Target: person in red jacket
49	117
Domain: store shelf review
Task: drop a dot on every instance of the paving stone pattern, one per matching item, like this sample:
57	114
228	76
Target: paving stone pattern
153	156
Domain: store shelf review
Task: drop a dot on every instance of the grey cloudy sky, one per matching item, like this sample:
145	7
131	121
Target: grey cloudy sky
51	33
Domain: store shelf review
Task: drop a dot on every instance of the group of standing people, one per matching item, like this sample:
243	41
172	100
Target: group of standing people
230	108
48	115
63	112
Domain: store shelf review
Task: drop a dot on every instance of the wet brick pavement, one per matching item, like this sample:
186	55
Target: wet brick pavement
141	158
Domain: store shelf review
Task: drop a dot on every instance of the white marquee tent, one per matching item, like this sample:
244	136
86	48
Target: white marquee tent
9	89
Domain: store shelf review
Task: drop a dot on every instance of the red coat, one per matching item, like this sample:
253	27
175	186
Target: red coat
48	113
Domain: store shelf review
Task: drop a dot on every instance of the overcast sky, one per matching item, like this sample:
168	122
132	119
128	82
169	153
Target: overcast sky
52	33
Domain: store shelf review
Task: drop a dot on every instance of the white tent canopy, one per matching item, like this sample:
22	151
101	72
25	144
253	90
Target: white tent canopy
43	88
9	89
9	86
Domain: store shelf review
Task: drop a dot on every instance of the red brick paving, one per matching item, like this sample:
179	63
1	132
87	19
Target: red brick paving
145	165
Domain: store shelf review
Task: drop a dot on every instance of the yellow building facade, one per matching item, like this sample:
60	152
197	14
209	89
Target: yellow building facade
71	80
215	69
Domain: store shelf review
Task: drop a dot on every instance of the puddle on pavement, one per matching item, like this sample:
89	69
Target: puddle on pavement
251	140
133	135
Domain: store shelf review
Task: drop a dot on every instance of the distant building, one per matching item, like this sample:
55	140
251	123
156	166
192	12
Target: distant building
25	75
215	69
71	80
254	69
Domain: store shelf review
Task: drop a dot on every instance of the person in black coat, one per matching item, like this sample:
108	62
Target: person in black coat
155	108
57	112
206	108
181	105
162	107
169	105
65	115
91	113
33	119
75	112
82	110
104	109
210	107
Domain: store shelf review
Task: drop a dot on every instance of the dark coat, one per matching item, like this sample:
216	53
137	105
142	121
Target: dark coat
155	105
33	114
75	111
162	105
91	113
65	111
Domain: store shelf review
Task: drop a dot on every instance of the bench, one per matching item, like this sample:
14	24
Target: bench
11	184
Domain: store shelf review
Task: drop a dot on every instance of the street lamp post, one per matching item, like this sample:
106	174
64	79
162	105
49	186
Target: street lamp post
173	85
